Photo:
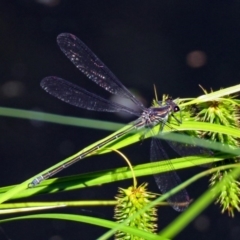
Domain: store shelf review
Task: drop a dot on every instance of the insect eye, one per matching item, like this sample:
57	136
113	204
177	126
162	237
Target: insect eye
176	109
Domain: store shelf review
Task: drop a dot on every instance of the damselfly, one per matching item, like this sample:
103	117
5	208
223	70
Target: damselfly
89	64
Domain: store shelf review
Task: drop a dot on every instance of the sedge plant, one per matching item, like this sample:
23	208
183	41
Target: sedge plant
212	119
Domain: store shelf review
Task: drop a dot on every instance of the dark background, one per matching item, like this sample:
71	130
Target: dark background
175	45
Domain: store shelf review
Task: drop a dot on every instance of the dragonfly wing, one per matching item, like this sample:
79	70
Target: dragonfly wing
169	179
79	97
89	64
189	149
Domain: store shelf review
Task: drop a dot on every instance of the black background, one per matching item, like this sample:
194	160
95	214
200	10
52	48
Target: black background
143	43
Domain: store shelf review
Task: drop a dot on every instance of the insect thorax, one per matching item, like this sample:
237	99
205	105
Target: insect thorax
155	115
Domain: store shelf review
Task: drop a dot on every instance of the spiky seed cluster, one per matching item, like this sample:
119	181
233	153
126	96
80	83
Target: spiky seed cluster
223	111
130	202
229	196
